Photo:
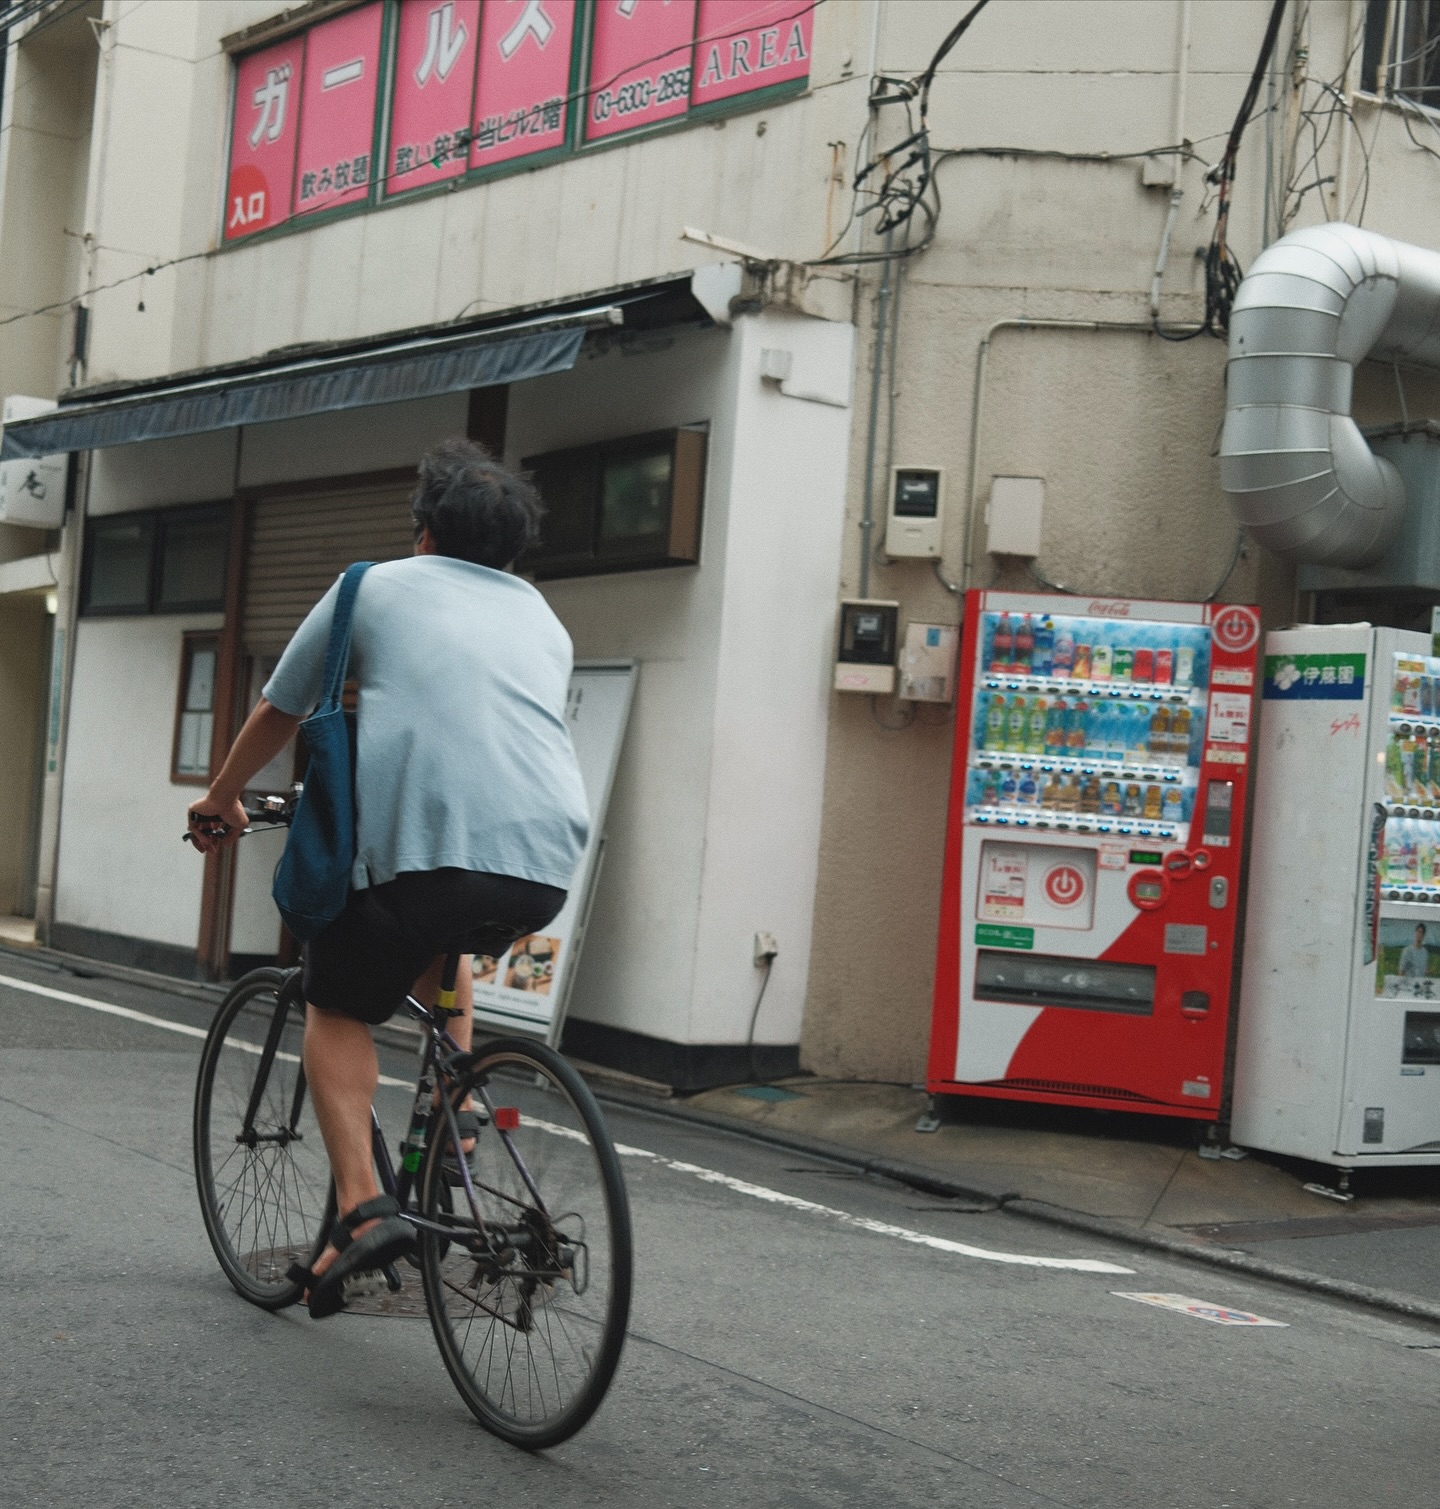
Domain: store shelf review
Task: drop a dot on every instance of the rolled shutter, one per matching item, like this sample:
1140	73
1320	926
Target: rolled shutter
298	546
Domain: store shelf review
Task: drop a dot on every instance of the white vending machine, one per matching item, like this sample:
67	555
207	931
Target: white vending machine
1338	1048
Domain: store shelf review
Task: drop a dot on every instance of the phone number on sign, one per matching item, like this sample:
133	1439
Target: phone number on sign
641	94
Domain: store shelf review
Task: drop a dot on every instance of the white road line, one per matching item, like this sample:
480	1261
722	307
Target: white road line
863	1223
709	1175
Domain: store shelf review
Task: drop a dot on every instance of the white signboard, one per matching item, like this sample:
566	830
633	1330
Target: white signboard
32	490
526	990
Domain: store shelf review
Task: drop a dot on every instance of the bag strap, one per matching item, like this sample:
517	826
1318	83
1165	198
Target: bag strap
337	652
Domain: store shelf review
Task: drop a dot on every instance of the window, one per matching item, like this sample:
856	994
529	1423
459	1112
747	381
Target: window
387	98
625	505
195	709
163	561
1402	50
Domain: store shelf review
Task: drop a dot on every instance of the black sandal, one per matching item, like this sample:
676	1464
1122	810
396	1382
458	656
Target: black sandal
382	1245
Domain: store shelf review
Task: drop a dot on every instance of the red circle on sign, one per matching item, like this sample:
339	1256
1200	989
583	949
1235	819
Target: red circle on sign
1236	629
1064	885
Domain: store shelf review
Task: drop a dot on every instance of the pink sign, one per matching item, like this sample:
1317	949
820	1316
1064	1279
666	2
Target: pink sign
337	110
523	80
262	139
434	80
639	64
750	44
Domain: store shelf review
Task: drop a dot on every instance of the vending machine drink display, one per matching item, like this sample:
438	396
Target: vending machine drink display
1093	847
1338	1043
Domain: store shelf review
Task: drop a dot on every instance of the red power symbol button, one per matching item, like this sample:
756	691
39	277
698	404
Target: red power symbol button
1064	885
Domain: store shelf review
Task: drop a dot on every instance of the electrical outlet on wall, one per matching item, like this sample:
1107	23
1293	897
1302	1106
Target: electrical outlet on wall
765	947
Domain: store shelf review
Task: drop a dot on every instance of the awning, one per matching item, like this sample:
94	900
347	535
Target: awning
416	367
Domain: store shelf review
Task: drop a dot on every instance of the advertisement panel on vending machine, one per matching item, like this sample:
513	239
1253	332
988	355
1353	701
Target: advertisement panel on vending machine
1092	852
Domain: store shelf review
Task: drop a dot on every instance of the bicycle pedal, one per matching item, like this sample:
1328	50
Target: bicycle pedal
392	1278
366	1286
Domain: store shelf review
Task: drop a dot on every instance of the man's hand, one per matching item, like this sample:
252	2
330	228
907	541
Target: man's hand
206	816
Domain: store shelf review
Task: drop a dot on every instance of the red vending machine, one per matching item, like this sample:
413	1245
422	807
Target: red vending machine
1093	852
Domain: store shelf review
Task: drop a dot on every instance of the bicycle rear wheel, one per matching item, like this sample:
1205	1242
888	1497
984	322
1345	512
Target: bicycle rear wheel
530	1304
260	1164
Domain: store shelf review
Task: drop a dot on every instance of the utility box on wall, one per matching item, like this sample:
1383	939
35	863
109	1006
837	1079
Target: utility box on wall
1413	559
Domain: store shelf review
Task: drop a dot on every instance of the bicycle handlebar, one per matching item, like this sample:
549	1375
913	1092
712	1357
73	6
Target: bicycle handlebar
268	812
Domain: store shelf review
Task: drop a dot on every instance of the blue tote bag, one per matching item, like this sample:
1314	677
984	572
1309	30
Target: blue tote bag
312	880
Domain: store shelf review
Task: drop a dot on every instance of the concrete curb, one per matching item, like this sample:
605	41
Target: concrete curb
927	1181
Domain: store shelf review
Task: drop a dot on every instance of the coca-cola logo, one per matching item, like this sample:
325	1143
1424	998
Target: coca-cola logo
1236	629
1104	609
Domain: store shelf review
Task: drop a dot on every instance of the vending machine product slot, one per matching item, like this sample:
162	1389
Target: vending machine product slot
1100	758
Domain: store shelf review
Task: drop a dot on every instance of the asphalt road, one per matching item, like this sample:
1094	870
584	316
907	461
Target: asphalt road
778	1355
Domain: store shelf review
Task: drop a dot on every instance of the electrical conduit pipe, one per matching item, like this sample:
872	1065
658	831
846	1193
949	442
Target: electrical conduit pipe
1299	473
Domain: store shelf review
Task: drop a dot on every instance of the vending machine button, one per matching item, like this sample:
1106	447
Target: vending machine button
1195	1003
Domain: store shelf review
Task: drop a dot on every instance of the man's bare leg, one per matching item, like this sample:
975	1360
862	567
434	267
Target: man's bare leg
342	1071
462	1027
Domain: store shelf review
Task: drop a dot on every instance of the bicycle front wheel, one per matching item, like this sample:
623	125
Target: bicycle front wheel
260	1163
529	1302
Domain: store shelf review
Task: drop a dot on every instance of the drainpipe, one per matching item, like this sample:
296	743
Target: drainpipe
877	373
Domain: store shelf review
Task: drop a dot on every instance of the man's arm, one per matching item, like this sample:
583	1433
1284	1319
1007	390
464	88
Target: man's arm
266	732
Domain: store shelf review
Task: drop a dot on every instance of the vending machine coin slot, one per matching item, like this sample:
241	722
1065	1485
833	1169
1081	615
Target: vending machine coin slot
1195	1003
1179	864
1148	890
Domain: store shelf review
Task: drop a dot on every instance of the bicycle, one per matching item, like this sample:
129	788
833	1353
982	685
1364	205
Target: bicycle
528	1293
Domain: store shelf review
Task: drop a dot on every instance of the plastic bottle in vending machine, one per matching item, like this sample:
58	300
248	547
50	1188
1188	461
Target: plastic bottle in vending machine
1164	667
1137	733
1434	742
1002	646
1180	734
1009	787
1063	658
1420	770
1029	792
1082	661
1412	694
1397	692
1134	802
1077	724
1394	770
1070	794
1428	705
1172	808
1100	660
1122	663
1035	726
1042	655
1159	740
1055	720
993	734
1144	664
1024	645
1425	856
990	790
1090	796
1015	726
1112	801
1185	666
1152	803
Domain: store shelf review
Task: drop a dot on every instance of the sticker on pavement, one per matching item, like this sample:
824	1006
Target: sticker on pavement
1221	1315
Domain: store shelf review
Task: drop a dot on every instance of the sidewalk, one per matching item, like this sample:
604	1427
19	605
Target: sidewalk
1138	1178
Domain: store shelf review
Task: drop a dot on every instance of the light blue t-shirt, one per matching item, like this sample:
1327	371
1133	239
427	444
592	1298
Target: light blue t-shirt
464	758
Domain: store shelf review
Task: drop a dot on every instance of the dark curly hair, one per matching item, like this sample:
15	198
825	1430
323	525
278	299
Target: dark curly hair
475	508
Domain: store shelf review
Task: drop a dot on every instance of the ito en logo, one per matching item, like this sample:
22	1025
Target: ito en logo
1235	629
1064	885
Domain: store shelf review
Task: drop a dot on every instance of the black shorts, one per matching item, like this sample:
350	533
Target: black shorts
365	962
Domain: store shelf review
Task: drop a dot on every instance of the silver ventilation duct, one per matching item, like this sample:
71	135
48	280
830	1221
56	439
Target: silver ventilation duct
1299	472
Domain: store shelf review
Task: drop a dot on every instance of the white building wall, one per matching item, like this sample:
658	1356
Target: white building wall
123	868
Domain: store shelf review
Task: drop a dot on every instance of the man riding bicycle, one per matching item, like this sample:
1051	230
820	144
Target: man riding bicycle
470	810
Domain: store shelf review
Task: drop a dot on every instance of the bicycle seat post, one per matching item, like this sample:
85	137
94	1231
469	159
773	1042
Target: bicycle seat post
446	999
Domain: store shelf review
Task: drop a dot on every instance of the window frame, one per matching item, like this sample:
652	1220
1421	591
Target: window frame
1380	64
192	640
159	521
688	448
